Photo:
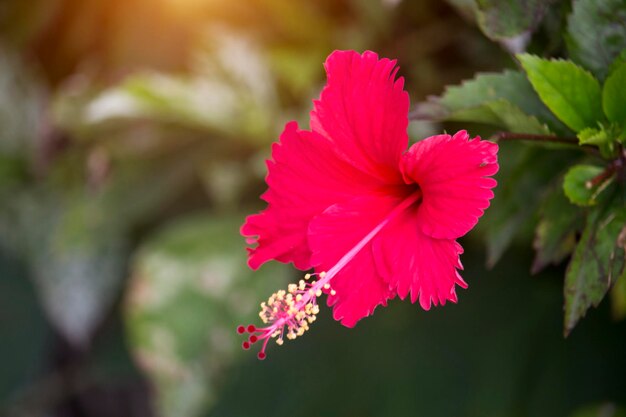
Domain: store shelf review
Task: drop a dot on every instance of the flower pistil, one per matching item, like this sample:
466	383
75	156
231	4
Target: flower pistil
288	313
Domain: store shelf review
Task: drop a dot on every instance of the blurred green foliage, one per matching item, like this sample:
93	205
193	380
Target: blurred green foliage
191	286
132	141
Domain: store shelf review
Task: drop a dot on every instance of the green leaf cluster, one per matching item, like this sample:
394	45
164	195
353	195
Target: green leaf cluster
576	98
569	113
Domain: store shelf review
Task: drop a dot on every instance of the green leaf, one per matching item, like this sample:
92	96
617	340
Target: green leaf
597	33
578	185
77	253
503	114
614	96
555	237
501	20
618	295
190	289
515	120
520	194
21	108
593	136
508	85
599	259
621	59
569	91
604	138
470	101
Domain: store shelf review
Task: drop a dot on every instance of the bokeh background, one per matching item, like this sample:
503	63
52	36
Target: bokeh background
133	135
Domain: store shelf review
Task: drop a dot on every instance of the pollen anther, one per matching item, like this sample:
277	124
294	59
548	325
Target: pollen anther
289	313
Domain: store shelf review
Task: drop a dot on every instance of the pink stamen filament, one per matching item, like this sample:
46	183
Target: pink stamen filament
299	307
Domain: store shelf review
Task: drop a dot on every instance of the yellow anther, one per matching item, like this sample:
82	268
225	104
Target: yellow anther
322	274
289	313
333	292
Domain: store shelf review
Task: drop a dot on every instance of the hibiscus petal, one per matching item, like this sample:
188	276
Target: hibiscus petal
412	262
363	110
358	285
304	177
451	172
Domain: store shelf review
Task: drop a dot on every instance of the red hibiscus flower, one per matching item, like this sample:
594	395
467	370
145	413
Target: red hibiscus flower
372	219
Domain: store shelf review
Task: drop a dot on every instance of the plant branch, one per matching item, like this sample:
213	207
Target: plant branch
531	137
535	138
601	177
615	167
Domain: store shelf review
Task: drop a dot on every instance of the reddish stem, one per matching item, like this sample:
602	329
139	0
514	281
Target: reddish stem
614	167
510	136
601	177
534	138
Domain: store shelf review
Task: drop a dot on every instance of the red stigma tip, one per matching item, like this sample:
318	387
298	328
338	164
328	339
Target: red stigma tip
261	355
241	329
245	345
253	338
251	328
